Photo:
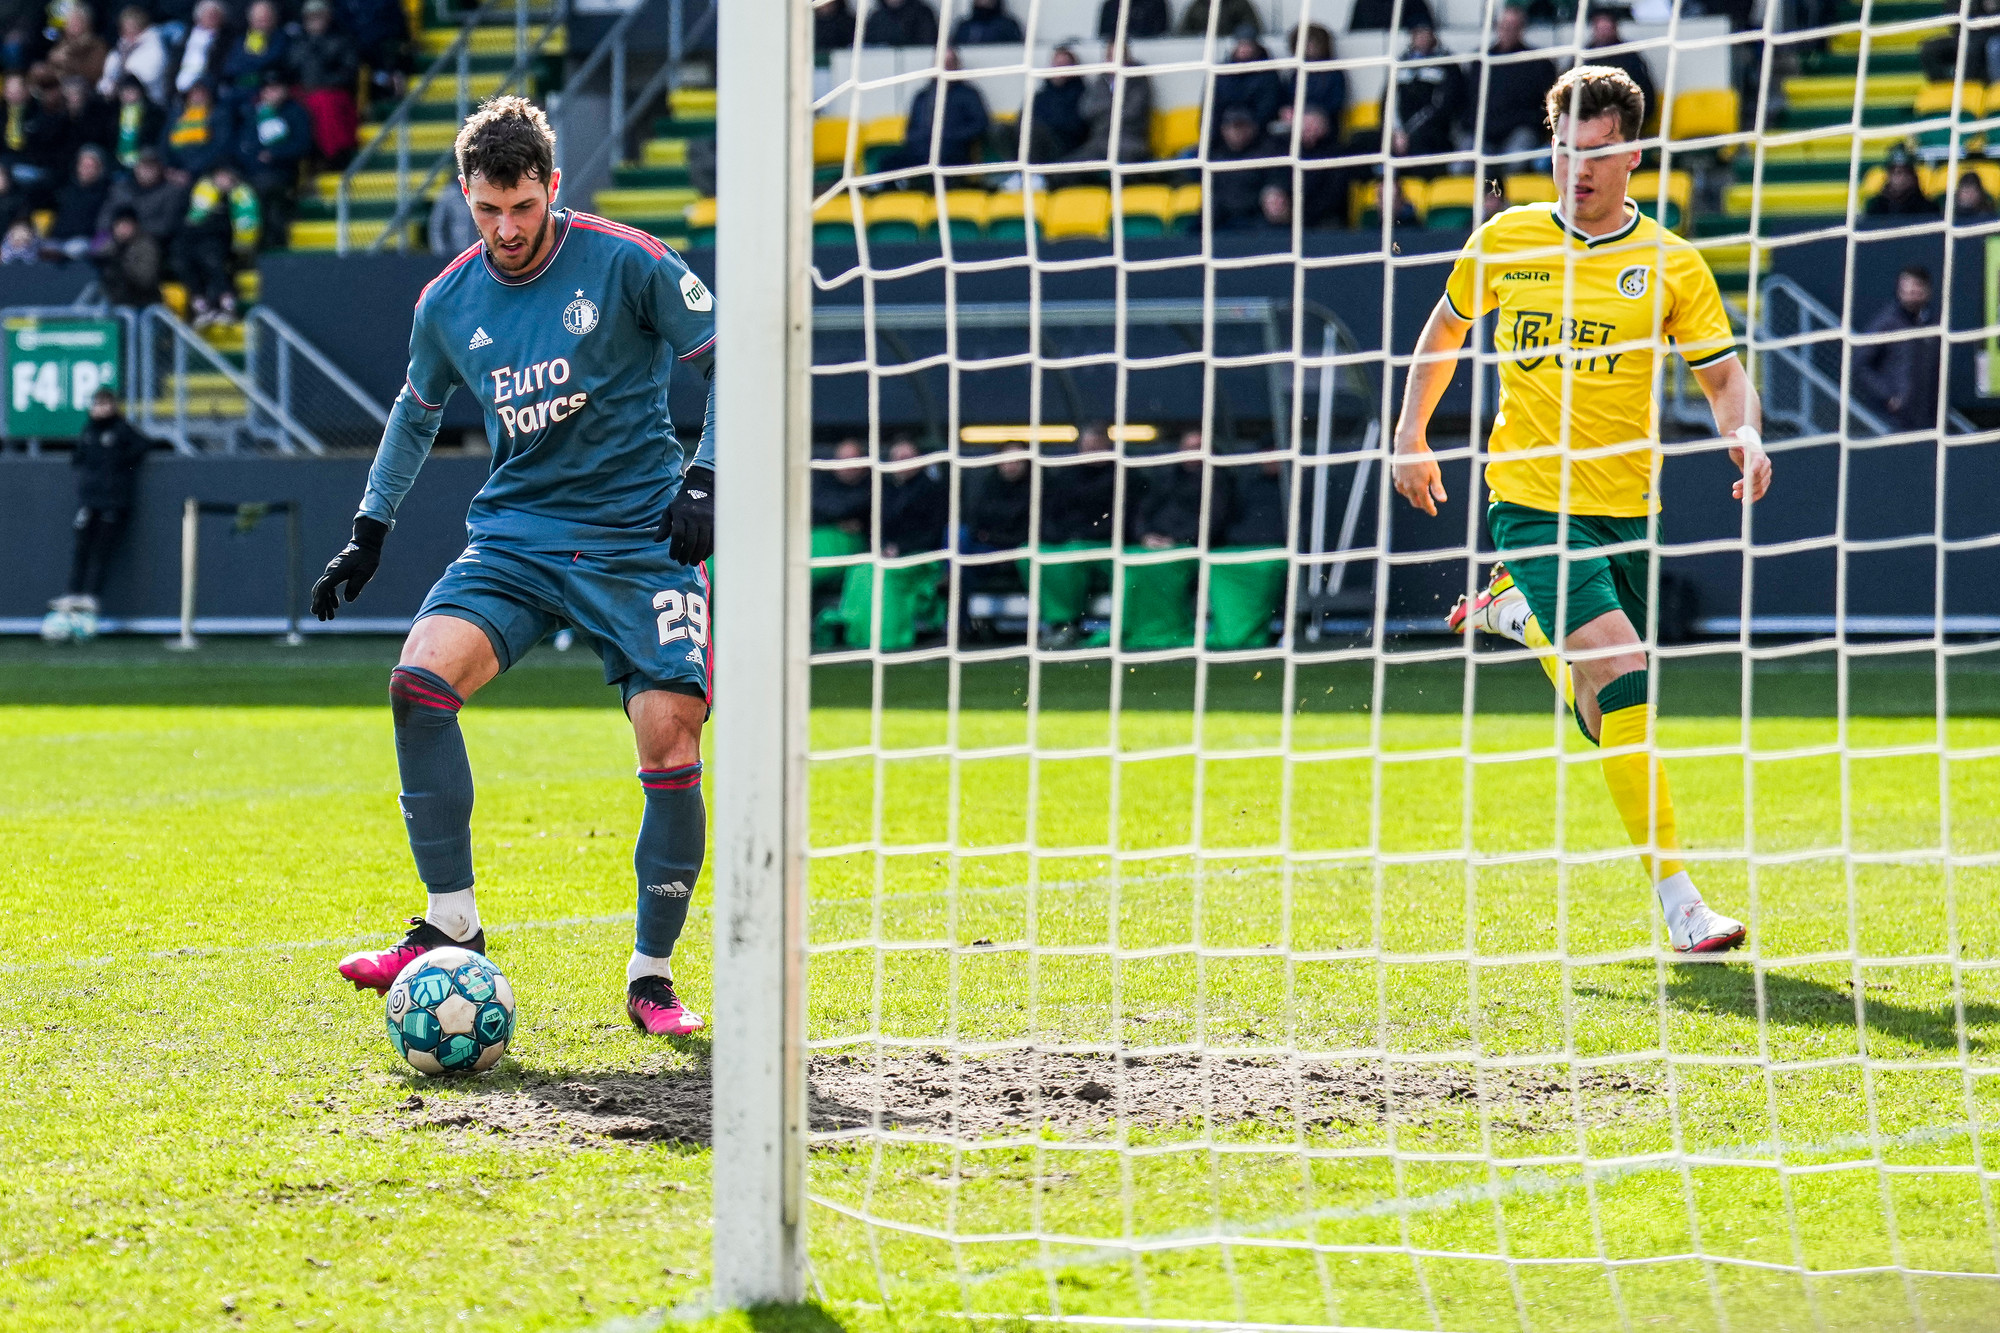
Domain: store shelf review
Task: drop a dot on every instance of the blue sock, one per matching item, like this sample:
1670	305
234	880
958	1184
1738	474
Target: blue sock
437	778
672	836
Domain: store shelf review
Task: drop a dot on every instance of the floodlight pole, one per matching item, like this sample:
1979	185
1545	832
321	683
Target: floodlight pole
763	422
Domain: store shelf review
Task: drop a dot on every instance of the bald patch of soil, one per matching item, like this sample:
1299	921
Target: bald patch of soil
985	1095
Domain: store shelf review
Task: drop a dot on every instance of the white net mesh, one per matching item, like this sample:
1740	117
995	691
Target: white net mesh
1200	936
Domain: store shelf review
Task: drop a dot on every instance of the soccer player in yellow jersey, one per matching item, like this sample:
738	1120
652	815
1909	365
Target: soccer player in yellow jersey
1589	292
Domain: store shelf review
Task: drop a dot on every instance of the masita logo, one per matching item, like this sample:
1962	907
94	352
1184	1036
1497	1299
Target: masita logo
1632	282
580	315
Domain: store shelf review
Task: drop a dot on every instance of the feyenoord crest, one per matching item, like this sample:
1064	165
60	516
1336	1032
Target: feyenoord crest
580	315
1633	281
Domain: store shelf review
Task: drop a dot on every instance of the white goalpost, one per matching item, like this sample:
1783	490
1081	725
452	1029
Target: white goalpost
1162	921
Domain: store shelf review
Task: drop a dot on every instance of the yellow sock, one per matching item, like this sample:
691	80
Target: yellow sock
1638	781
1553	666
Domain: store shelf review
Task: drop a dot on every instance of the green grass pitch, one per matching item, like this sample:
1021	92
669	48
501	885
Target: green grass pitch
201	1128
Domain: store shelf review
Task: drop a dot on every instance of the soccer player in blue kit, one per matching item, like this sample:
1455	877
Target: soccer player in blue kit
567	328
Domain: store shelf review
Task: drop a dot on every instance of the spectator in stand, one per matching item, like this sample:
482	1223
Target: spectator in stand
1236	193
1243	599
1159	598
81	201
139	123
833	26
1326	89
914	512
1234	14
1899	376
1143	18
49	152
1604	32
262	51
24	45
1323	189
223	228
1513	90
1378	15
92	120
274	141
13	204
21	245
1258	93
996	511
80	52
200	135
1056	125
141	54
841	499
33	140
989	24
157	202
1131	139
452	230
963	132
128	268
1902	194
206	49
380	30
900	23
1971	202
1430	102
1077	500
107	459
326	68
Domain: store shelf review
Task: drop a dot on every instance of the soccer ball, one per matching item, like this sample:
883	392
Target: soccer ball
451	1011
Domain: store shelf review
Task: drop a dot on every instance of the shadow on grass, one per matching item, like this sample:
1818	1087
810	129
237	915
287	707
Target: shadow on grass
1801	1002
794	1319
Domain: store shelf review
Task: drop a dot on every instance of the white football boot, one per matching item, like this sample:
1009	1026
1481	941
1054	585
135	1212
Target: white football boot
60	623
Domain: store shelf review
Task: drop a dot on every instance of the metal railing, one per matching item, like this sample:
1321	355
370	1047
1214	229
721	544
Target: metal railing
293	373
395	130
1806	387
626	109
188	393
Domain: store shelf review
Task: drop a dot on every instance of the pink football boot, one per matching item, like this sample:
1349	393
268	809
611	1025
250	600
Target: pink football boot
654	1009
376	969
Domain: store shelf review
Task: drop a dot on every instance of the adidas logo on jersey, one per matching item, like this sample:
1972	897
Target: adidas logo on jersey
479	340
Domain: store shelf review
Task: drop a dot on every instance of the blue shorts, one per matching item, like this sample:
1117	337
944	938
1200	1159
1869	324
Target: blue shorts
646	614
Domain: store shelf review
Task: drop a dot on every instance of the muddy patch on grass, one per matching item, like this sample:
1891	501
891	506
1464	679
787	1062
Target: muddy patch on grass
1076	1096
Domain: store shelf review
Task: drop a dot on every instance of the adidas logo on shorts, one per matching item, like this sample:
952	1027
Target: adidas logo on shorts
479	340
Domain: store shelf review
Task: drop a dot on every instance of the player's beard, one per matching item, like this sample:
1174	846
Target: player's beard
533	251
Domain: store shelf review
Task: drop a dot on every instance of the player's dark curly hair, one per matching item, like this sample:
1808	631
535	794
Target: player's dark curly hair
1594	90
506	139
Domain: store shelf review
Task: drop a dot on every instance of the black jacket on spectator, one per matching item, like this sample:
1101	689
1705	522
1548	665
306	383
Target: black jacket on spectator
996	514
1076	502
94	125
1430	102
1235	193
1235	14
380	29
914	510
836	503
987	26
1325	89
912	23
160	209
107	459
965	122
46	141
833	26
1915	204
1514	91
1169	503
1059	128
283	132
326	61
1260	92
77	208
198	156
1375	15
1633	64
1252	506
245	69
1904	369
1143	18
130	273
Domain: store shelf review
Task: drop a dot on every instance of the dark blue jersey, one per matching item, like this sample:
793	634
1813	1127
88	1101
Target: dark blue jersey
570	364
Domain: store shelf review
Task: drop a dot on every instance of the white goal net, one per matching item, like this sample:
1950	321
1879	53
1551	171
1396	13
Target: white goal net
1194	932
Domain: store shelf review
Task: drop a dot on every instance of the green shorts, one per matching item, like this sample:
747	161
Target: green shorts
1597	584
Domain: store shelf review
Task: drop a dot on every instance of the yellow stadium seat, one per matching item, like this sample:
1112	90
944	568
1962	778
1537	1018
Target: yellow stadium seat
1363	118
1531	189
1079	212
1792	198
965	213
1644	190
1187	207
1147	210
830	142
1452	192
1934	99
701	213
1007	215
1703	113
898	215
833	221
1176	130
881	132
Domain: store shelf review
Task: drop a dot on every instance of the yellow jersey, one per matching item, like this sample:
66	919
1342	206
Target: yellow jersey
1582	320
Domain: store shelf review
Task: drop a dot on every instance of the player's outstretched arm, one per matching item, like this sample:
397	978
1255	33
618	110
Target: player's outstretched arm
1739	416
1416	472
406	443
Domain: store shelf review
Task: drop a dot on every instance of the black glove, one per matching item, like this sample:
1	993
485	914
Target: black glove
690	519
352	568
